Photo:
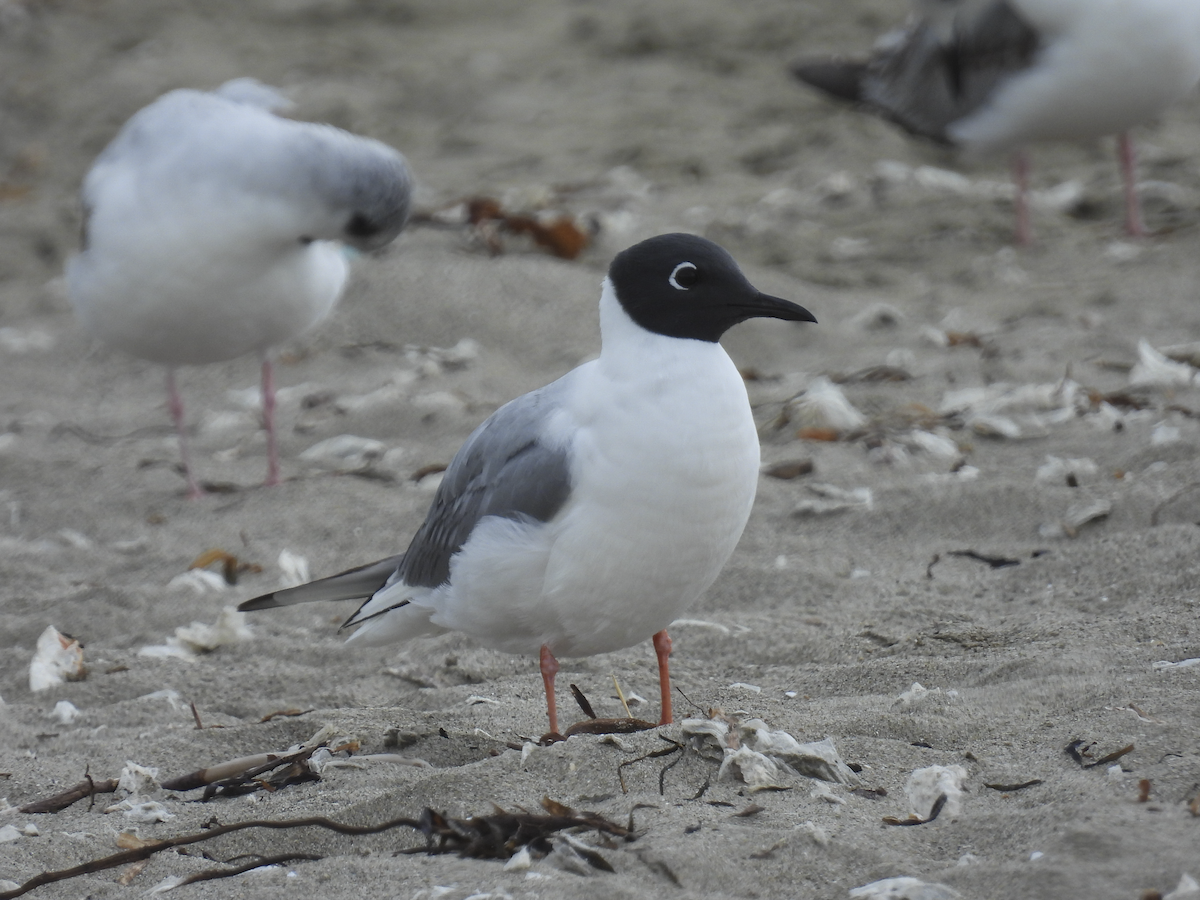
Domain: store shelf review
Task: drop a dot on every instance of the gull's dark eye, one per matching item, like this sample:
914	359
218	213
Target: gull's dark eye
683	276
360	226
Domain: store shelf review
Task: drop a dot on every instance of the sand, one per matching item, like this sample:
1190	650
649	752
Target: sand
636	119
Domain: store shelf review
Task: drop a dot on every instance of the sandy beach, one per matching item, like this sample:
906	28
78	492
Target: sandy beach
996	560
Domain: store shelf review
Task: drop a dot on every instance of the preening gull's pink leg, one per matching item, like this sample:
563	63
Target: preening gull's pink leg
1127	156
175	403
1020	175
268	411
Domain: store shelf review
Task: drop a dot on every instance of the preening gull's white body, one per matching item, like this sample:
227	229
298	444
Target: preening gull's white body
586	516
214	228
997	75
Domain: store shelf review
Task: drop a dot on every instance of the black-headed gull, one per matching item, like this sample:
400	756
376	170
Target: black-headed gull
585	516
997	75
213	228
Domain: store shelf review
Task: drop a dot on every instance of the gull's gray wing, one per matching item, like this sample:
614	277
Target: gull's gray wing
353	584
509	468
937	70
506	468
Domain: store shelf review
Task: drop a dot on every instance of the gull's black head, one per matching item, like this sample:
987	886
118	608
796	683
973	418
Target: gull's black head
681	285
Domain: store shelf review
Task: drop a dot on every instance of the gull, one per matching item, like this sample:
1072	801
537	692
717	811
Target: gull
994	76
213	228
586	516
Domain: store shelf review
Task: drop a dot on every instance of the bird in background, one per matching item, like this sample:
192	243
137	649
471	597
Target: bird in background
214	228
587	515
994	76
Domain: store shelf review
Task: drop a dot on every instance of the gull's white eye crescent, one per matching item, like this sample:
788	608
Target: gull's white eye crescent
683	276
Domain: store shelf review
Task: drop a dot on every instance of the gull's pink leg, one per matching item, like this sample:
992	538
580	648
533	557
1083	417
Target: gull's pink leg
549	670
1127	156
662	647
175	403
1020	175
268	410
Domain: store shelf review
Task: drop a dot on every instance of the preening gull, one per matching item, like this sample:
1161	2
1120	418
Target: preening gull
214	228
587	515
998	75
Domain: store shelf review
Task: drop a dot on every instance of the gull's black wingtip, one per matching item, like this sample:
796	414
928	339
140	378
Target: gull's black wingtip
266	601
838	78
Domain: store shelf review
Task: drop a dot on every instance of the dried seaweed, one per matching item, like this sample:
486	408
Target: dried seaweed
1081	752
789	469
934	811
593	724
495	836
610	726
675	747
876	793
873	374
261	771
1011	789
996	562
501	834
827	435
89	787
431	469
583	702
284	713
558	234
231	566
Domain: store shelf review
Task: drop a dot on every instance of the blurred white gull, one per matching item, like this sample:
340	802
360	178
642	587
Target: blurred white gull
997	75
213	228
587	515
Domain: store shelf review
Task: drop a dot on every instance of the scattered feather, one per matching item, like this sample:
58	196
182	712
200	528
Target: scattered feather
1181	664
189	641
57	659
926	785
230	628
824	405
904	888
936	445
293	569
832	499
1187	889
201	581
345	453
1056	470
65	712
1155	370
1162	433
